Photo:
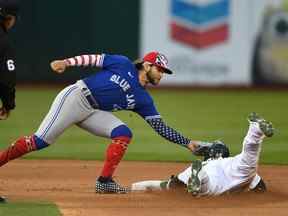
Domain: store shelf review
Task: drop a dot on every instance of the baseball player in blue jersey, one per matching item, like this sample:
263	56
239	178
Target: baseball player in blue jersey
89	104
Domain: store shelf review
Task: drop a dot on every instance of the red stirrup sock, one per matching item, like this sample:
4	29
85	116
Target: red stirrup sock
114	154
20	147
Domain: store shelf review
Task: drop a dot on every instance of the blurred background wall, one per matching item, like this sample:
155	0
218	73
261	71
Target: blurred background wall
208	42
51	29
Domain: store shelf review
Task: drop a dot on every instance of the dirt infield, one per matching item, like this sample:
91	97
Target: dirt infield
70	184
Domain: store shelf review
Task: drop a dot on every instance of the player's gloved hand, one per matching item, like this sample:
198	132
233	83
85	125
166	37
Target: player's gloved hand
201	148
4	114
58	66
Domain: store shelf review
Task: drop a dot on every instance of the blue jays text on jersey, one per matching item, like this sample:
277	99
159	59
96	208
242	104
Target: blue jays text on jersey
117	87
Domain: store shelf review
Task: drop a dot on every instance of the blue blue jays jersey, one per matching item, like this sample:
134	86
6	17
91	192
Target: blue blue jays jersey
117	87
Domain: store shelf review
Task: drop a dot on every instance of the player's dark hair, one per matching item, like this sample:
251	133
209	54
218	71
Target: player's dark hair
138	64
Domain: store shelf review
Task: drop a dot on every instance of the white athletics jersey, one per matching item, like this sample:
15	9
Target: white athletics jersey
223	175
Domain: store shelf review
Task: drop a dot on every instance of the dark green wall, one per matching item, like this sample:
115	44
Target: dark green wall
51	29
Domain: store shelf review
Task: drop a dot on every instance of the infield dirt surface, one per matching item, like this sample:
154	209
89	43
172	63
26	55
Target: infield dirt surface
70	184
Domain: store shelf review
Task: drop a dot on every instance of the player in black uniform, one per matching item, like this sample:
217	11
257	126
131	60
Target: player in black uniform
8	15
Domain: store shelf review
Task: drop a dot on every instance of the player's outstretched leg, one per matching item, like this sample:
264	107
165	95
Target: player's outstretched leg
194	182
173	183
20	147
114	154
17	149
247	161
265	126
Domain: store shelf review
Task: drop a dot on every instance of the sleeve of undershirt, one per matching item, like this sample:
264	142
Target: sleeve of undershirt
92	60
104	61
167	132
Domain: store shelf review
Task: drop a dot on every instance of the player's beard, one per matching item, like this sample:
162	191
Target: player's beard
150	78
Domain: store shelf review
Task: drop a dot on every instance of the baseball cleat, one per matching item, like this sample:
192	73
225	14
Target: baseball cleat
254	117
110	187
2	199
194	182
265	126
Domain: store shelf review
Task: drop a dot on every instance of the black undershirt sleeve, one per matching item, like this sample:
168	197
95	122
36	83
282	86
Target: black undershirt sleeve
167	132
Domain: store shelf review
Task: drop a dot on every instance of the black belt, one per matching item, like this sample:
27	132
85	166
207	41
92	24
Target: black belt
91	100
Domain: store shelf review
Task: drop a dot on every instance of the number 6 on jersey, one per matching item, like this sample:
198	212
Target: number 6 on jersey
10	65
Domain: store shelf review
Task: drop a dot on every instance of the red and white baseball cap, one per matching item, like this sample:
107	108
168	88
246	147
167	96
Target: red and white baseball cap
158	59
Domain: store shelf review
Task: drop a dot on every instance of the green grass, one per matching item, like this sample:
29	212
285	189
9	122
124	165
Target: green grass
31	209
199	114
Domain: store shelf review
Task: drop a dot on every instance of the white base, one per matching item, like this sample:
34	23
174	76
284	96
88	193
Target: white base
146	185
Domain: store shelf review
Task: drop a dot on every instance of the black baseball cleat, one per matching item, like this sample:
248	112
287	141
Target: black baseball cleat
2	199
265	126
109	186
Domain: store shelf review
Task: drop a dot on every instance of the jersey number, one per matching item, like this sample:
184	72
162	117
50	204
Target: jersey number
10	65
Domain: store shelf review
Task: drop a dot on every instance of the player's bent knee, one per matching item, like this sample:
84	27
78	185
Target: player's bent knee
39	143
121	131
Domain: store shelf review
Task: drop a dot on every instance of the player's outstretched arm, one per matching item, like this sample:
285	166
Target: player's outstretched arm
198	148
94	60
167	132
